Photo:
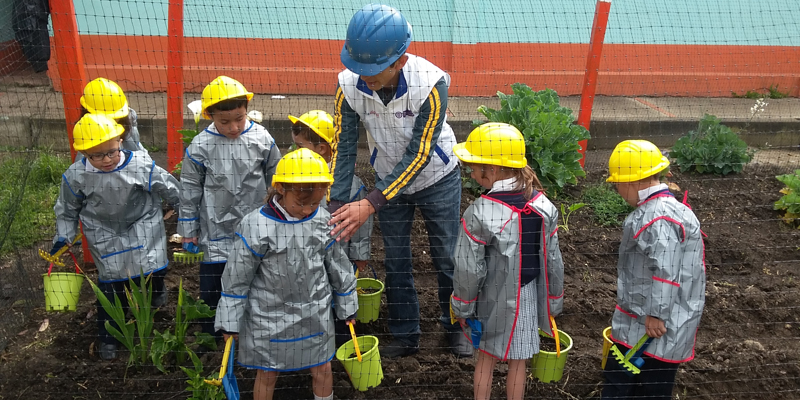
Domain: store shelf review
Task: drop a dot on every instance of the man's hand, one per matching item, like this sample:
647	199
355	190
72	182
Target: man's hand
349	218
655	327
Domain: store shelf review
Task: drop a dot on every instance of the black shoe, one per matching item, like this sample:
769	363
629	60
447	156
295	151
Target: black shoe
459	345
159	300
108	351
398	349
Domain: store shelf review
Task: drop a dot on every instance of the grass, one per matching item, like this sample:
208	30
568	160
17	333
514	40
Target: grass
608	207
29	186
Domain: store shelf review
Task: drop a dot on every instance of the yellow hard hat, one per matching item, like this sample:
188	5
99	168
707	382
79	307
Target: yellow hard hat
220	89
94	129
493	143
634	160
302	166
103	96
319	121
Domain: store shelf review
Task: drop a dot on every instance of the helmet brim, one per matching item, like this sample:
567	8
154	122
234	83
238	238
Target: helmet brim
363	69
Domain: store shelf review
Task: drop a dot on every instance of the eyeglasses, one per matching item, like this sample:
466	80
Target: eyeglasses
100	156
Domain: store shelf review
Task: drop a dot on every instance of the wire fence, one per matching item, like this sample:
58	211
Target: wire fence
674	74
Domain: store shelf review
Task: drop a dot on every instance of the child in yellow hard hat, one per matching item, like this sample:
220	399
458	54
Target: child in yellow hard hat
314	130
116	194
225	174
104	97
661	276
509	275
283	273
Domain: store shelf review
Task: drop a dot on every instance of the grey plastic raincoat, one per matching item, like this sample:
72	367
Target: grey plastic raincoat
487	269
132	140
224	179
120	212
661	273
278	287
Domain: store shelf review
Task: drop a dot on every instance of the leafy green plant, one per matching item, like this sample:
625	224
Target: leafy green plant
200	389
551	136
126	333
712	148
790	201
566	212
608	207
166	342
771	92
473	187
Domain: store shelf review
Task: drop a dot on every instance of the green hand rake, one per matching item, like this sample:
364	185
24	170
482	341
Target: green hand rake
632	360
187	258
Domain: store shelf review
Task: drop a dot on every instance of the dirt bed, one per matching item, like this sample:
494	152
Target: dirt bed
747	346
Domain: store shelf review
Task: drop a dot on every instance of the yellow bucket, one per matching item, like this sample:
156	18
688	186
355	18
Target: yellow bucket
62	290
367	373
369	305
607	343
546	366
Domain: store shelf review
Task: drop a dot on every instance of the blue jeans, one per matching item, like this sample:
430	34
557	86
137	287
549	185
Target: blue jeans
440	206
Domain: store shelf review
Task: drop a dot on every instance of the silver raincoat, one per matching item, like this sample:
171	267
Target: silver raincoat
277	290
132	140
222	180
359	247
487	269
661	273
121	214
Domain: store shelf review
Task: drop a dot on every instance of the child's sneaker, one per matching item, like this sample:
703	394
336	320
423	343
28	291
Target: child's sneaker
108	351
159	299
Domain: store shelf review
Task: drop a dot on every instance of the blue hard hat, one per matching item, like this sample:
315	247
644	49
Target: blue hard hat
376	37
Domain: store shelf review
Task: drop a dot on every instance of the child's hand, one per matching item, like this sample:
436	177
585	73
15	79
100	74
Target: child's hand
462	321
654	327
351	322
190	245
225	336
361	264
57	246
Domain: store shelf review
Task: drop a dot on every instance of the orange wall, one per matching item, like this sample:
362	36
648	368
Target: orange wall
304	66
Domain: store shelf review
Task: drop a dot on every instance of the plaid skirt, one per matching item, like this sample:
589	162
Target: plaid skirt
525	341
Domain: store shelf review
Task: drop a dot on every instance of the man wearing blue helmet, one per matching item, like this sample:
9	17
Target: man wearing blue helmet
402	101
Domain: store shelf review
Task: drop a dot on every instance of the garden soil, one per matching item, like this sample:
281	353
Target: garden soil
747	346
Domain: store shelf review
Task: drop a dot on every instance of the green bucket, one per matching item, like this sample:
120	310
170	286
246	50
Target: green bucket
62	291
369	305
367	373
545	365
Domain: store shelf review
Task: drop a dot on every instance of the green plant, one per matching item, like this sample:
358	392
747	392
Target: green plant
566	212
772	92
139	303
473	187
609	208
177	170
790	201
200	389
126	333
166	342
551	136
712	148
29	187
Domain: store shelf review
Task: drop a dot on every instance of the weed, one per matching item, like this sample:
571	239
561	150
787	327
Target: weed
609	208
28	190
566	212
789	203
771	92
200	389
165	342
